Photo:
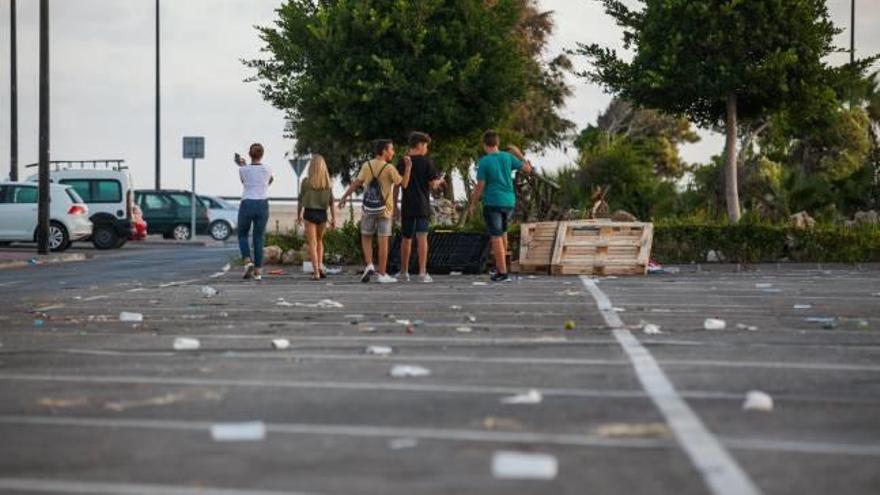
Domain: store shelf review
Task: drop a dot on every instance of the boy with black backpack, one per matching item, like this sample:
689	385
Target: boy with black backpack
379	177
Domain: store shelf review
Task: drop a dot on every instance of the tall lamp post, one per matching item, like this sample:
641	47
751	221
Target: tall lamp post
158	109
13	94
43	207
852	33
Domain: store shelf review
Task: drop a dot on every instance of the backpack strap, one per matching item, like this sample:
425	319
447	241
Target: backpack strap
370	166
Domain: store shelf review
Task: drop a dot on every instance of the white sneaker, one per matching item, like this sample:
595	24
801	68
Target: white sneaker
368	272
405	276
384	278
248	271
426	278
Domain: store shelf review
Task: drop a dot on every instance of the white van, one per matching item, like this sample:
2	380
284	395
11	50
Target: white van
68	215
104	185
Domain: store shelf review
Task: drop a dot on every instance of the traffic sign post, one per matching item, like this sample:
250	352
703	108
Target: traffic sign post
193	148
299	166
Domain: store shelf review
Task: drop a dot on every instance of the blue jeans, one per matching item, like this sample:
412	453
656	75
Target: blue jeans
252	212
496	218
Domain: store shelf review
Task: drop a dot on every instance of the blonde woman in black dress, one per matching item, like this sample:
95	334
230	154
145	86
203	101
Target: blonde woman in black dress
315	199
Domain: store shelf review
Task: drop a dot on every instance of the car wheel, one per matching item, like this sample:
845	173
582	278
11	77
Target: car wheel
220	230
181	232
121	242
58	238
104	237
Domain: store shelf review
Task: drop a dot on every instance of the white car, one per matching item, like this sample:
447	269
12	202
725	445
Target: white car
223	217
68	215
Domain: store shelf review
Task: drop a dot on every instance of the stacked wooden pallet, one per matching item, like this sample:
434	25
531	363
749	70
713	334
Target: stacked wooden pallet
586	247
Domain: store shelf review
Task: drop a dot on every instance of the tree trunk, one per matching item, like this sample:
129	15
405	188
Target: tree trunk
731	189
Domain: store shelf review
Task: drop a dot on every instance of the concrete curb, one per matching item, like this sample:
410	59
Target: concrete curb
44	260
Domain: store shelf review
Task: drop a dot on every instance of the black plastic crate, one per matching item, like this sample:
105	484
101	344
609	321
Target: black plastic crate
447	252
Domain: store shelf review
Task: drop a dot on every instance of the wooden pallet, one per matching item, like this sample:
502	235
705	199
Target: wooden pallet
586	247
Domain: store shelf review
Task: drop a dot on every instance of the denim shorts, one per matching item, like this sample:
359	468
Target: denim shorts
376	225
496	218
411	226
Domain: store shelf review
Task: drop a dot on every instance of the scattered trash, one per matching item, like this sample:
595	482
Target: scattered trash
651	329
634	430
758	401
455	274
63	403
354	317
763	286
505	424
455	307
410	329
569	325
863	324
127	317
367	329
406	371
570	292
227	267
238	432
186	344
714	324
619	310
743	326
403	322
336	270
276	271
418	323
803	306
285	304
308	267
164	400
512	465
827	322
39	323
464	329
480	283
223	314
95	298
402	443
378	350
280	344
471	318
209	292
34	261
533	396
322	304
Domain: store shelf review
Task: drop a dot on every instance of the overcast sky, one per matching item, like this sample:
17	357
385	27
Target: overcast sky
102	86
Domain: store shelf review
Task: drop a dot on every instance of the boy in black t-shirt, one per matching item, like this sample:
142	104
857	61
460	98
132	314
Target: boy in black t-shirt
416	205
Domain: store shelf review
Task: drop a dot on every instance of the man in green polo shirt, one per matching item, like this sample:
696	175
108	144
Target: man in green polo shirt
495	186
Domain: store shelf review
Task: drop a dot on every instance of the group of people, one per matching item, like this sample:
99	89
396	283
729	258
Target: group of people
414	177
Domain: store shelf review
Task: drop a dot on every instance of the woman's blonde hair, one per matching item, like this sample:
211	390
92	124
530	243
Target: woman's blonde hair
319	176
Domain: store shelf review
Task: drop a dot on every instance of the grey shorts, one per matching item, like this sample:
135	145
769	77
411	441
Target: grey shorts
376	225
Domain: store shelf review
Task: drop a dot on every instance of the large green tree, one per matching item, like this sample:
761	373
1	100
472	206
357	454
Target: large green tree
349	71
723	63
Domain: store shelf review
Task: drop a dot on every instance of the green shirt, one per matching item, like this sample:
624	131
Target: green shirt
496	170
313	199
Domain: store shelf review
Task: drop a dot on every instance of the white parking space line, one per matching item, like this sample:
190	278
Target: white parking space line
719	470
351	430
12	282
43	485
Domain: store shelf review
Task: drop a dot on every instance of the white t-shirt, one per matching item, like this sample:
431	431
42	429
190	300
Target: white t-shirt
255	179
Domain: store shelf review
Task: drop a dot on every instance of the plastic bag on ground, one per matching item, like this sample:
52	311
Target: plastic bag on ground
379	350
238	432
651	329
129	317
512	465
209	292
280	344
714	324
533	396
407	371
758	401
186	344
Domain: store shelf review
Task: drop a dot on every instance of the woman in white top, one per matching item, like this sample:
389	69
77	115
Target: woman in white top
253	210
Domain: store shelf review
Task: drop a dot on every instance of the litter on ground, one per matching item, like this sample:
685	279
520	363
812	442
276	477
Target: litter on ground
408	371
714	324
455	307
763	286
533	396
464	329
743	326
651	329
569	324
280	344
480	283
251	431
284	303
127	317
186	344
803	306
378	350
758	401
402	443
512	465
209	292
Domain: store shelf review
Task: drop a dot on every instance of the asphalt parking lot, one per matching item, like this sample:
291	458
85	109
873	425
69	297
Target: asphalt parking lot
95	405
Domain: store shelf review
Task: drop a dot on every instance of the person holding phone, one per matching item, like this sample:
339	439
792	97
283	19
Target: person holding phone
253	210
415	207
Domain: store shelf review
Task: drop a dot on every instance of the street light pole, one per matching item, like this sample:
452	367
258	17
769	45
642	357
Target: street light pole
852	34
43	207
13	94
158	109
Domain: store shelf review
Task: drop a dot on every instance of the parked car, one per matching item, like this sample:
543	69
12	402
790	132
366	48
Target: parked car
68	214
222	215
104	185
168	212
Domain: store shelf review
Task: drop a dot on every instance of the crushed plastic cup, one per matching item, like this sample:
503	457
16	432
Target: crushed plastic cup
455	307
129	317
186	344
280	344
743	326
651	329
464	329
802	306
251	431
757	400
512	465
531	397
379	350
209	292
714	324
409	371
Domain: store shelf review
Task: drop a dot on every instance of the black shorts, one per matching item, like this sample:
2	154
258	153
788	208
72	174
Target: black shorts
318	217
412	226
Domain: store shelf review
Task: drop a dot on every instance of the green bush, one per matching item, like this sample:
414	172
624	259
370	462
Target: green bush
682	242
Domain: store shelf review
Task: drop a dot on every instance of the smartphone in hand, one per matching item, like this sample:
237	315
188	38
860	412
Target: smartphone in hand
237	159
